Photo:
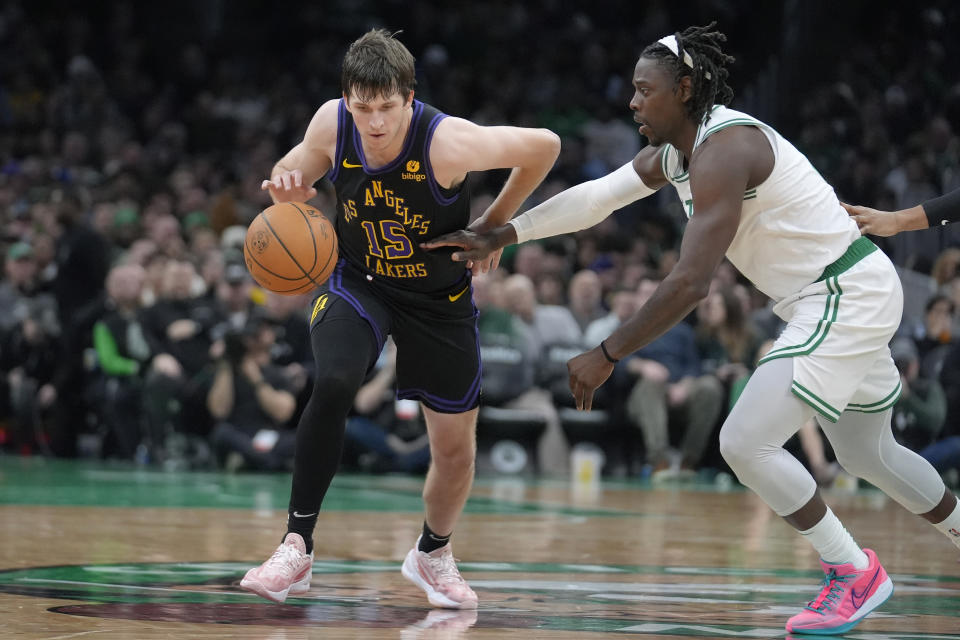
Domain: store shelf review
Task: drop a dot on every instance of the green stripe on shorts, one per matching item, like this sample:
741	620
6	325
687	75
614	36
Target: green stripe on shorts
879	405
830	310
822	407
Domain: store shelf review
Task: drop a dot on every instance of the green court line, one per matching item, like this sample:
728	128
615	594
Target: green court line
51	482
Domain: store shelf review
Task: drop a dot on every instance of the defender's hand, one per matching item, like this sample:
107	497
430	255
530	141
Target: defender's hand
477	247
491	262
873	221
587	372
288	186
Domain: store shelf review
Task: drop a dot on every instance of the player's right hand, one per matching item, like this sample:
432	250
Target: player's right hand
475	246
287	186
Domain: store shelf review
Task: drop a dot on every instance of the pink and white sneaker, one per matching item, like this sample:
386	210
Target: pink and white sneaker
437	574
286	572
848	595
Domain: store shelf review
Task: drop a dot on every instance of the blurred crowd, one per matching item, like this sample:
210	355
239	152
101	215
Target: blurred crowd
131	159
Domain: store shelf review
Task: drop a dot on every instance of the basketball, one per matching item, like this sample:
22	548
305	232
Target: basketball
290	248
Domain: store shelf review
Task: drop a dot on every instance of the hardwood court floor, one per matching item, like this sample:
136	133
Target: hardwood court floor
97	552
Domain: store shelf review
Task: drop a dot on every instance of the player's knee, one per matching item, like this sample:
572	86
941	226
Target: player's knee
741	451
334	387
453	456
731	446
861	463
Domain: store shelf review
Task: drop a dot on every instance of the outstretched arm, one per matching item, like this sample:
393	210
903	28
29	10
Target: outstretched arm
576	208
460	146
887	223
719	175
932	213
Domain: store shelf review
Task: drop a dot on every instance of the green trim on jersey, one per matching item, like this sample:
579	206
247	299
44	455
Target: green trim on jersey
831	308
665	161
730	123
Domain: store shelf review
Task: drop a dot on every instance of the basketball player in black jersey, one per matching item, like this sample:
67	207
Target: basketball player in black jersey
400	169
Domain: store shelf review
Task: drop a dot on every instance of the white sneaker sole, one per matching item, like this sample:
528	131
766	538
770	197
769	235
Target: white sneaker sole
297	588
437	599
879	596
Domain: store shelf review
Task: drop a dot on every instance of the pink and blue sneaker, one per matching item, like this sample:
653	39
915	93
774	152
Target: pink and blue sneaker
848	595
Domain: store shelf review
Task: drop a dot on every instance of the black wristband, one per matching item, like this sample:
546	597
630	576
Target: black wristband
606	354
944	209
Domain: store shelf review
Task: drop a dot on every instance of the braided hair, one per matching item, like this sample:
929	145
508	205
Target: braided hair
709	73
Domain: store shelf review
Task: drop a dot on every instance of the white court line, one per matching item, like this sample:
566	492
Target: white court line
81	633
134	587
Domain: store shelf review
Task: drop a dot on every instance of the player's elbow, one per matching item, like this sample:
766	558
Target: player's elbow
549	143
690	288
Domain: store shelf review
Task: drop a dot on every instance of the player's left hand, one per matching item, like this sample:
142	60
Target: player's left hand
587	372
873	221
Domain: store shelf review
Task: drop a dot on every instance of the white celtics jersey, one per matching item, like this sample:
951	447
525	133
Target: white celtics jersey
791	225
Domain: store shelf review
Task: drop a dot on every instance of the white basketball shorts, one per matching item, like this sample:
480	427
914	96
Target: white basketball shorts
838	331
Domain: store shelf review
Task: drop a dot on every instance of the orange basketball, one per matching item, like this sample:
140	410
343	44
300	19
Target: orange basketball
290	248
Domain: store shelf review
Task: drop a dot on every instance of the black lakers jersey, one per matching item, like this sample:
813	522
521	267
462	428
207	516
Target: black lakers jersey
384	214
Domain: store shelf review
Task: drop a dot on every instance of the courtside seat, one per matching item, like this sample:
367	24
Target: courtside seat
507	440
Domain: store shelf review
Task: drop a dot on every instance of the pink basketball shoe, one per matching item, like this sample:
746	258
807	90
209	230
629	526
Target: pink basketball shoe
437	574
286	572
848	595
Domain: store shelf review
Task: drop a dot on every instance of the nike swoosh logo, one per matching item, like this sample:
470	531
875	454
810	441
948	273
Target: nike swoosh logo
347	165
857	598
297	514
454	298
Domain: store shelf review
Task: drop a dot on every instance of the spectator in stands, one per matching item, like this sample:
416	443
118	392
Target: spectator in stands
123	356
726	343
549	324
946	266
20	286
623	303
28	355
533	330
292	350
81	256
668	380
934	338
233	295
919	414
585	297
384	434
251	401
179	325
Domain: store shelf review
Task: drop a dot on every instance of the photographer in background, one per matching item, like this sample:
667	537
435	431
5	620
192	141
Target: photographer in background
384	434
250	400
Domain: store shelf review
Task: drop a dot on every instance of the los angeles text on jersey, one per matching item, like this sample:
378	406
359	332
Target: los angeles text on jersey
387	224
376	196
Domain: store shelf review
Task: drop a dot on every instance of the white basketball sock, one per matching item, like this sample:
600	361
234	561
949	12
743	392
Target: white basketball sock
951	526
834	544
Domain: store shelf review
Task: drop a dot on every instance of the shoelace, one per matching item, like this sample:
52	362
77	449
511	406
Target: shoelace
285	557
445	568
833	588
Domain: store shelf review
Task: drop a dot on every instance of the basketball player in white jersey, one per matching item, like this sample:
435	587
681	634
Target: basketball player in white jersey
752	197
